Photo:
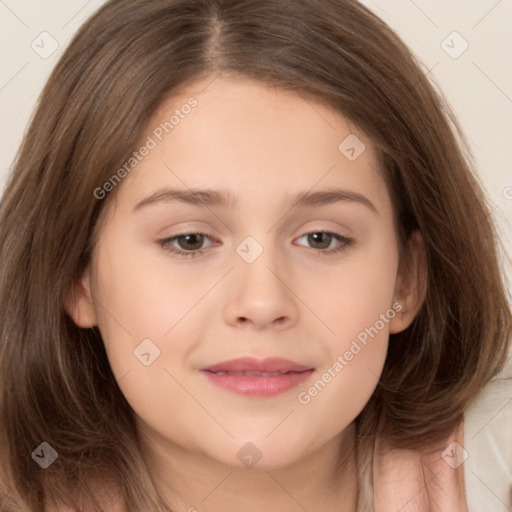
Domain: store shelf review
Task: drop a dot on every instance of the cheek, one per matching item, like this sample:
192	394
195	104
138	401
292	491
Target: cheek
341	390
351	296
356	304
142	312
355	355
140	298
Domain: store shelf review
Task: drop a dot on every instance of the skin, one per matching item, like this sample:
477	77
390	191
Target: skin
263	145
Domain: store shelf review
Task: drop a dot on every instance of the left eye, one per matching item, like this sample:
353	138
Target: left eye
324	239
191	244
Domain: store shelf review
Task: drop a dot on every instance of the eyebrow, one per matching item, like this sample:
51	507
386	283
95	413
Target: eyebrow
221	198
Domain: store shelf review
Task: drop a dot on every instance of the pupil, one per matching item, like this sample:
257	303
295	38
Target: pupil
320	235
187	237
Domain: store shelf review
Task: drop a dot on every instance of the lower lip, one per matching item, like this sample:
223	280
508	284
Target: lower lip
259	386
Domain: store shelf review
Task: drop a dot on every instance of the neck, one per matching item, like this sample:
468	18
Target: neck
323	480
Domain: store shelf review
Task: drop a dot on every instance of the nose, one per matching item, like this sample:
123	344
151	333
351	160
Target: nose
260	294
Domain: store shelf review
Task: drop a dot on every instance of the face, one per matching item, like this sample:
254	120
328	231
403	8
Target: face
184	283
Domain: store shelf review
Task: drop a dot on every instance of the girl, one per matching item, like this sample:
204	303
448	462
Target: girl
245	266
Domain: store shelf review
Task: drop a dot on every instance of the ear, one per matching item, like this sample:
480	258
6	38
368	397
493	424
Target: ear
78	302
411	283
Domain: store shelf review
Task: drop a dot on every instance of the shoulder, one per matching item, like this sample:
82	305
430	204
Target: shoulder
488	446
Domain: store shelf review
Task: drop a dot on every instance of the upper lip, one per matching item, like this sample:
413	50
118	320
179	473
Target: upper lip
250	364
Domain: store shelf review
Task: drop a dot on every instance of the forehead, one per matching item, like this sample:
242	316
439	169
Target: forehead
253	139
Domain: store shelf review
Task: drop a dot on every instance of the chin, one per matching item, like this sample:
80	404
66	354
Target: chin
258	455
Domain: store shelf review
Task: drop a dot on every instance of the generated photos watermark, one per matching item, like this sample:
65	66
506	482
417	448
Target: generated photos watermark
357	345
151	143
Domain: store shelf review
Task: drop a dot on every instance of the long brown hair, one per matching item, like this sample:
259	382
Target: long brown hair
56	382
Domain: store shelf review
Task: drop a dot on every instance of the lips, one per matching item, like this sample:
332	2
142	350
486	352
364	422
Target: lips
256	377
276	365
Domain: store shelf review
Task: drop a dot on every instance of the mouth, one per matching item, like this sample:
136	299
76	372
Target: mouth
253	377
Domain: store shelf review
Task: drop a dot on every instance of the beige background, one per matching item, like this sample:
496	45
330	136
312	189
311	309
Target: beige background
478	83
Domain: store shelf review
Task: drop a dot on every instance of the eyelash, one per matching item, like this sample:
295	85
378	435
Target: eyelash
166	244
